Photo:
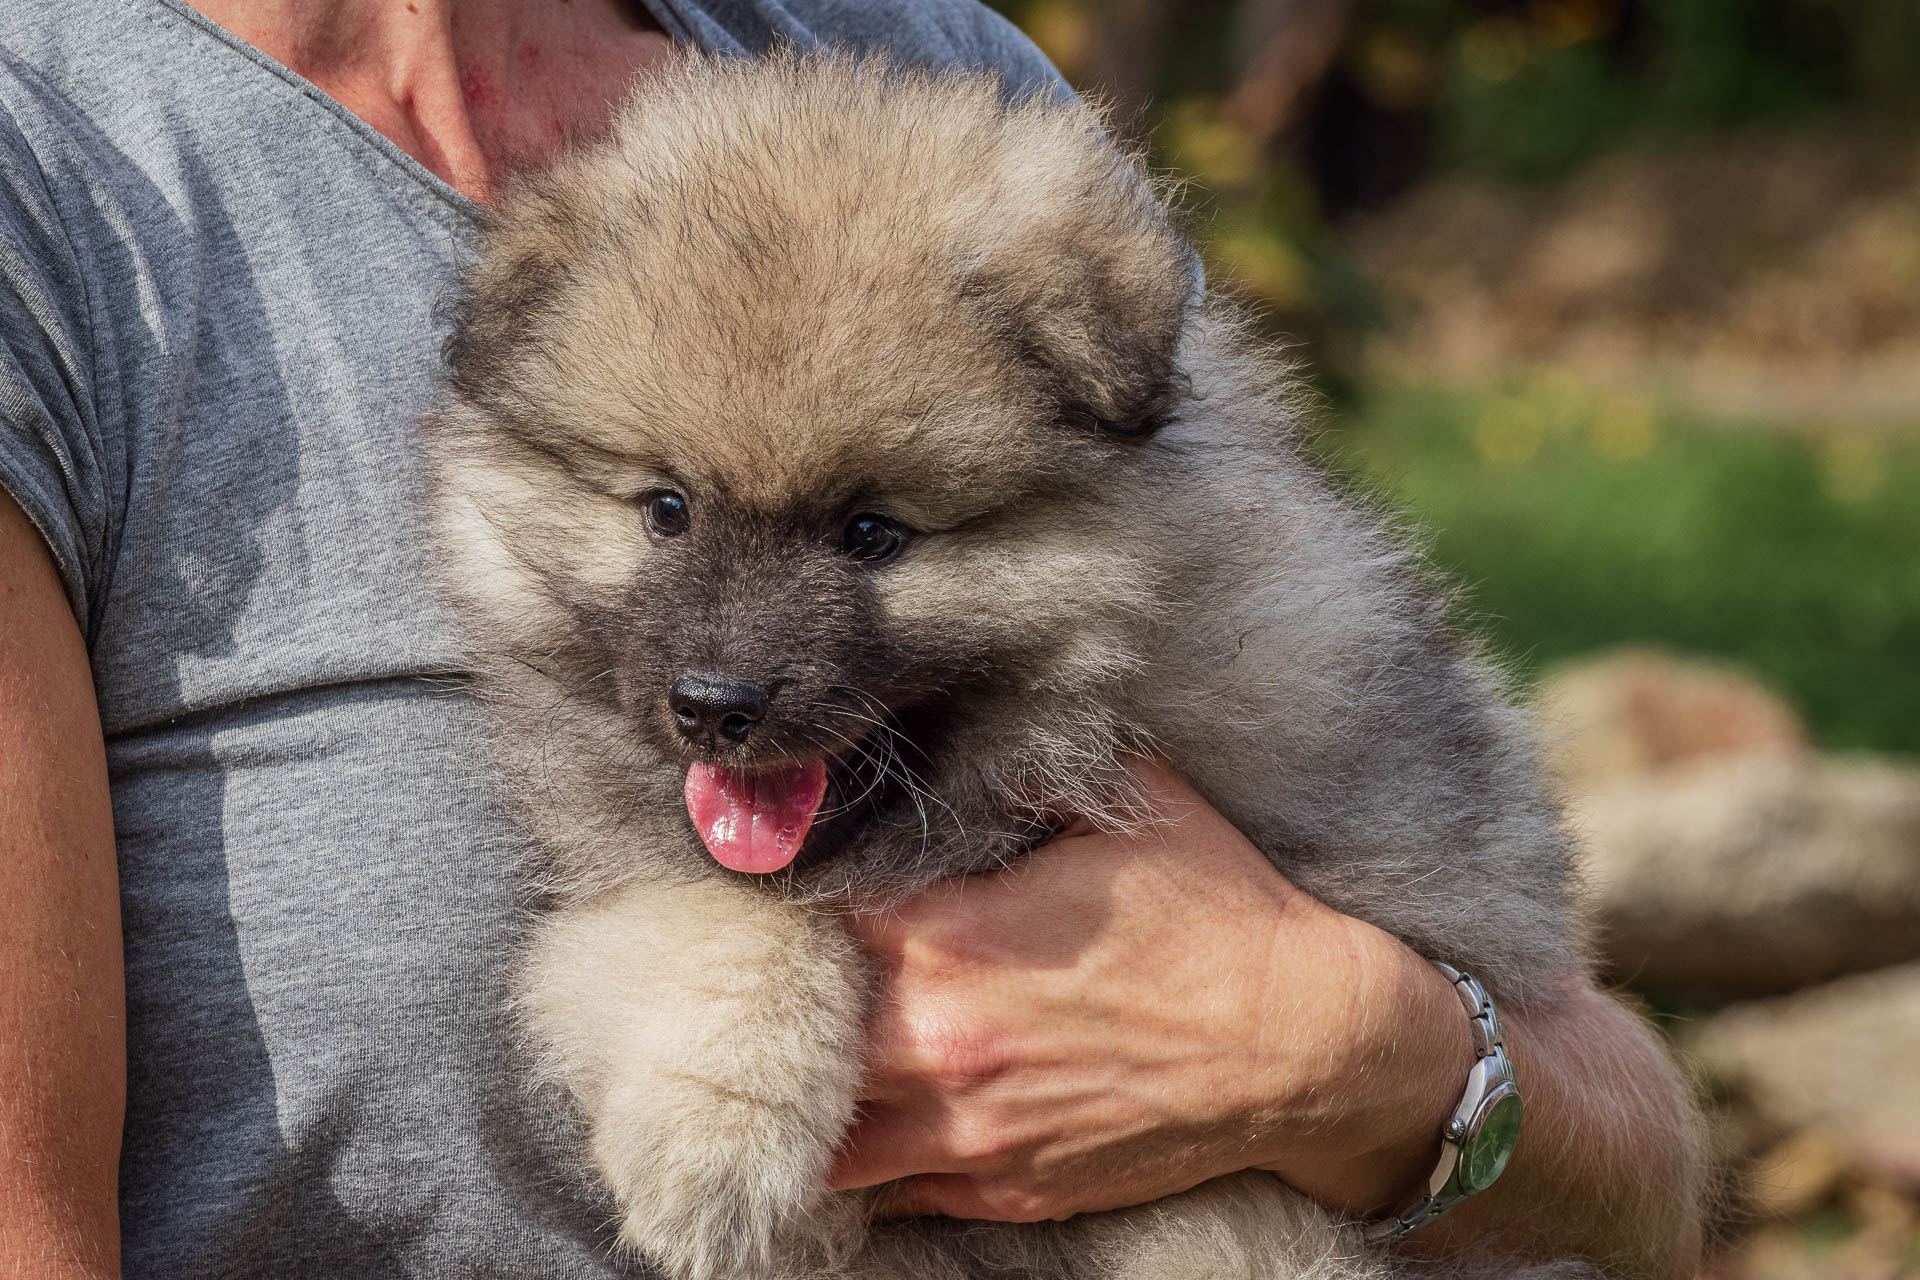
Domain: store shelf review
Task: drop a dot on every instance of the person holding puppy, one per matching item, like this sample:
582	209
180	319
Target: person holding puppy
221	232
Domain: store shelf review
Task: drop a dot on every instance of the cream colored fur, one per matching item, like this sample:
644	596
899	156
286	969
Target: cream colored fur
714	1136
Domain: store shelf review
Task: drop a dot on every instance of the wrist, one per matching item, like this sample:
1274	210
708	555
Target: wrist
1404	1051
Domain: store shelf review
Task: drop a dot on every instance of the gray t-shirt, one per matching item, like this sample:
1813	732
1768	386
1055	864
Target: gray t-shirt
216	334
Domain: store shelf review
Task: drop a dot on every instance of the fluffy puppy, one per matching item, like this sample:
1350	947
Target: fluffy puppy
843	469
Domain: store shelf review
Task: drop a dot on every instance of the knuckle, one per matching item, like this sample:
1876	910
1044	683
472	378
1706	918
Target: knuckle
955	1057
965	1063
934	951
1016	1204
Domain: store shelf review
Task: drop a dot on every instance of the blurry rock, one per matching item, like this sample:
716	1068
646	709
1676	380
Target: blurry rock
1641	711
1827	1250
1755	874
1798	1173
1842	1060
1882	1211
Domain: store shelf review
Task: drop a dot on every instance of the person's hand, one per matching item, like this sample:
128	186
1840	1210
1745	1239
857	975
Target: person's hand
1124	1017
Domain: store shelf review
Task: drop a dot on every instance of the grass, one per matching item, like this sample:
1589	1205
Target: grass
1579	521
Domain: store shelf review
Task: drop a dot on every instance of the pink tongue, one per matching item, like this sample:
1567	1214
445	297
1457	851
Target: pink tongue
754	821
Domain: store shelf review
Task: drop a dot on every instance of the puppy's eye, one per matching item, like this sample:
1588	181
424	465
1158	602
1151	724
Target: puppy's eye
871	537
666	513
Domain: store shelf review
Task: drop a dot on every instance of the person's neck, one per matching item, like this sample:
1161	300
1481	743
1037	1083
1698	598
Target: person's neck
468	88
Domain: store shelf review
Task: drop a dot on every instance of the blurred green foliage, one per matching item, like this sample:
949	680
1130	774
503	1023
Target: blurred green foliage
1577	520
1533	90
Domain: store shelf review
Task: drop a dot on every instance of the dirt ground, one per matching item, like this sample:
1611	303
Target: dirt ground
1765	278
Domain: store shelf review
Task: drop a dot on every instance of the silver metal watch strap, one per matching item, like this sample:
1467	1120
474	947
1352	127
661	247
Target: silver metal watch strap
1491	1070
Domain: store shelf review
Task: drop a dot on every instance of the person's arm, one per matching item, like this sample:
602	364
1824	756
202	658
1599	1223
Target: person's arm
1611	1158
1122	1018
62	986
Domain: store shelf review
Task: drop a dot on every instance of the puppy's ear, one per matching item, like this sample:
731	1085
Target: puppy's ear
526	248
493	305
1091	283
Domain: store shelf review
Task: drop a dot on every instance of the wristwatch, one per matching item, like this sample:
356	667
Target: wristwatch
1480	1135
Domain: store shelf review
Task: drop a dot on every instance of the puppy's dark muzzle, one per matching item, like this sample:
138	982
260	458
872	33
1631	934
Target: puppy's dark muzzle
707	706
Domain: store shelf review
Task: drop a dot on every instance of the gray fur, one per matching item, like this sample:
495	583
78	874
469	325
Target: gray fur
803	287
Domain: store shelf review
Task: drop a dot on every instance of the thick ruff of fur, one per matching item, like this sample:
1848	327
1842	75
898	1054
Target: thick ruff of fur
805	288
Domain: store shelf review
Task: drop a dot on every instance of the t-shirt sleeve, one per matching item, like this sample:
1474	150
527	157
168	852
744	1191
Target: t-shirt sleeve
50	445
937	33
987	40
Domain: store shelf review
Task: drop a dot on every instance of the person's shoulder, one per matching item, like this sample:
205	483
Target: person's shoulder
72	76
942	34
48	440
82	253
968	34
54	42
39	257
71	110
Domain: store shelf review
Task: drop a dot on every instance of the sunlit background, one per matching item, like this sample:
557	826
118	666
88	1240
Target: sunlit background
1620	300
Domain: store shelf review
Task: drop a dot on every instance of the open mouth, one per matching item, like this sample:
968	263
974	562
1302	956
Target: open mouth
755	821
797	814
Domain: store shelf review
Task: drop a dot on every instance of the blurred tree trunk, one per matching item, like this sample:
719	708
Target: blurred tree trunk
1288	46
1292	43
1128	40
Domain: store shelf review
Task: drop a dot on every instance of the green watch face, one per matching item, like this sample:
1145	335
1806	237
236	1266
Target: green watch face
1485	1155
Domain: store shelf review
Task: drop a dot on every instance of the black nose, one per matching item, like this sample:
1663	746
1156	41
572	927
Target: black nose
704	704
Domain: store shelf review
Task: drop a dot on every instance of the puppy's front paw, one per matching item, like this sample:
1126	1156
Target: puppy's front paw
710	1035
733	1193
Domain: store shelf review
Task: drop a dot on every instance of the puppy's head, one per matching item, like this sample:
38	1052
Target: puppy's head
786	417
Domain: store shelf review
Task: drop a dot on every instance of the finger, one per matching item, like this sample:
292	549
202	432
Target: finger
952	1195
1075	829
932	1195
1159	776
888	1144
889	1065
